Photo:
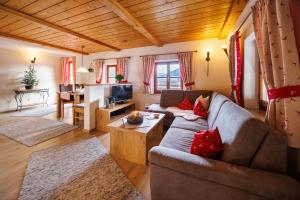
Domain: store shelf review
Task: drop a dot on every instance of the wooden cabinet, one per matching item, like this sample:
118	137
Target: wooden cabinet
104	116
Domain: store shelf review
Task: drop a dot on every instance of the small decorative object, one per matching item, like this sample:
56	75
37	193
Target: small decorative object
207	60
30	78
91	67
156	115
119	78
135	117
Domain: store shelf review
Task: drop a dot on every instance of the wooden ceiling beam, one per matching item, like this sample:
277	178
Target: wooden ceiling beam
40	43
124	14
54	26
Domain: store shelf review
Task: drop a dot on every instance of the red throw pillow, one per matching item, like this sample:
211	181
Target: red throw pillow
207	143
200	110
186	104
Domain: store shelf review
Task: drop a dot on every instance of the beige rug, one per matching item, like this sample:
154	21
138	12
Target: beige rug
31	131
82	170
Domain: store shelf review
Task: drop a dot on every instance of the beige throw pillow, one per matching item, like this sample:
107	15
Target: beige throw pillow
204	101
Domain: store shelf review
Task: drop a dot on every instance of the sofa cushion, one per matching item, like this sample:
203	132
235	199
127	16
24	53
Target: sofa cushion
170	98
192	95
241	133
197	125
207	143
217	100
272	155
179	139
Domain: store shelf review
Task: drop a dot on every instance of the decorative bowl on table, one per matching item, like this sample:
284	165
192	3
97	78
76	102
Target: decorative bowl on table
135	117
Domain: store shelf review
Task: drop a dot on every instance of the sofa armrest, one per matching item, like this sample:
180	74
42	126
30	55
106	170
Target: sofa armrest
262	183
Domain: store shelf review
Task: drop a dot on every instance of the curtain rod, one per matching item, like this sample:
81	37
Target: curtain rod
167	53
111	58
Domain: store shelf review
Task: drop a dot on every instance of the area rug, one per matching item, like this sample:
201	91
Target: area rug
36	112
31	131
81	170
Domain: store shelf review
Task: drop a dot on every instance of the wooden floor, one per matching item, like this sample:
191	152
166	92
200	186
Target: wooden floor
14	158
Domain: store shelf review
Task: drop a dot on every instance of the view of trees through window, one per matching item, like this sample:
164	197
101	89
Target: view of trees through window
167	76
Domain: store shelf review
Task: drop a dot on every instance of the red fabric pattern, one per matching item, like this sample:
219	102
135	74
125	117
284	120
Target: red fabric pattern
185	62
66	70
99	70
148	68
284	92
236	88
207	143
200	110
186	104
122	67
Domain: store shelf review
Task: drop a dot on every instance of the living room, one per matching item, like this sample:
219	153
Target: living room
177	99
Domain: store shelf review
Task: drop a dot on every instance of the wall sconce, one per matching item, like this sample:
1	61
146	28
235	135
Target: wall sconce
207	60
224	47
33	61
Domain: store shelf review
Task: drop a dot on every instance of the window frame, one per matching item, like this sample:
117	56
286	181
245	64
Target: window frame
107	72
168	63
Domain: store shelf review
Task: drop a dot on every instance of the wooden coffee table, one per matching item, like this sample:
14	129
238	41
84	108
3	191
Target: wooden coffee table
133	144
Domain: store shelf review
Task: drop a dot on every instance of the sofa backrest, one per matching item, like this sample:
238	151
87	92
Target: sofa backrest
272	154
217	100
171	98
192	95
241	133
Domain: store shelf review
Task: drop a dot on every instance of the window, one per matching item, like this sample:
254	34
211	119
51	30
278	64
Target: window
111	73
167	76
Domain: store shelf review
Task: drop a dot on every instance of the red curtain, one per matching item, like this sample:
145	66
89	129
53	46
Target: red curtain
99	70
66	64
122	68
185	62
148	67
235	68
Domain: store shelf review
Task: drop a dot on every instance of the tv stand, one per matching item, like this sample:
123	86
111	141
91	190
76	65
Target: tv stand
104	116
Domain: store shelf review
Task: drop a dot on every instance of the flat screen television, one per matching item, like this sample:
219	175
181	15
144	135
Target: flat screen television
122	92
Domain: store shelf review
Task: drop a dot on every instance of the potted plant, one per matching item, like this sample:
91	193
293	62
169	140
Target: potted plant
119	78
30	78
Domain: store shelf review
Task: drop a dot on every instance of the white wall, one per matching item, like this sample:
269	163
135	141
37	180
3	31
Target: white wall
12	66
218	79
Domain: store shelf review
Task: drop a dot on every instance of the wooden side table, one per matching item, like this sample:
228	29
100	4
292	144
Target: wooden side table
133	144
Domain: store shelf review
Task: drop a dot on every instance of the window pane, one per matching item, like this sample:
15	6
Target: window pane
111	80
161	83
175	83
161	70
112	72
174	70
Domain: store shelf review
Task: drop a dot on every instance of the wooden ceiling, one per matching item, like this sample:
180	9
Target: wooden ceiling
105	25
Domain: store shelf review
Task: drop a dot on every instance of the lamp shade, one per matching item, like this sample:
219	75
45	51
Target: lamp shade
82	70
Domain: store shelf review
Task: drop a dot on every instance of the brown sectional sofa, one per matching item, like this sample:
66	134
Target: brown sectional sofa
252	165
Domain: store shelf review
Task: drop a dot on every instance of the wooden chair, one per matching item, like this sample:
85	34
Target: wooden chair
65	97
78	112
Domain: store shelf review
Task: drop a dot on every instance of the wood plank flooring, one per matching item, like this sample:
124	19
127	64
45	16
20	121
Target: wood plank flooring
15	156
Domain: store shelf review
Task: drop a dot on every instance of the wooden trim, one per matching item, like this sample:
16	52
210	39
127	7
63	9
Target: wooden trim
54	26
124	14
40	43
168	76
